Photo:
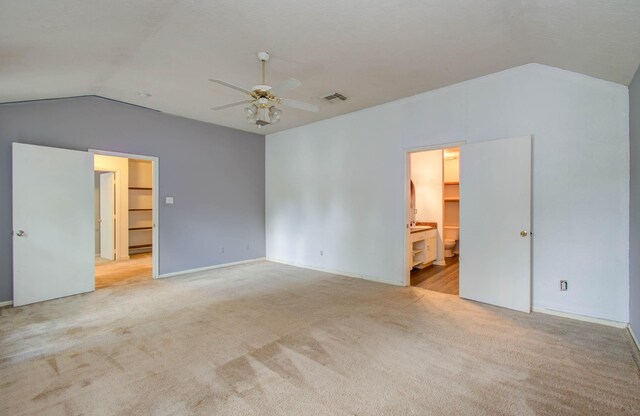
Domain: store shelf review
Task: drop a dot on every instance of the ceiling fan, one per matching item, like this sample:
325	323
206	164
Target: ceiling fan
264	98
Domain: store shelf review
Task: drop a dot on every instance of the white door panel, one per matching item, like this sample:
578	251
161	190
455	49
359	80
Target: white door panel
495	207
107	215
53	222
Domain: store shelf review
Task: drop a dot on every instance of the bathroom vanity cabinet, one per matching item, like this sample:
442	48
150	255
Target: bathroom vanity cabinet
424	249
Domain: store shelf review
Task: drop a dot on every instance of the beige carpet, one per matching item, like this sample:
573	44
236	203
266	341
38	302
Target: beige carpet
112	273
267	339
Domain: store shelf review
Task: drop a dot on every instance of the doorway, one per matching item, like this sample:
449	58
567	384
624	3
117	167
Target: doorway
54	214
435	219
487	212
126	211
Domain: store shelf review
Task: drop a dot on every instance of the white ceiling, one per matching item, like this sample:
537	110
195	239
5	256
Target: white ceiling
372	51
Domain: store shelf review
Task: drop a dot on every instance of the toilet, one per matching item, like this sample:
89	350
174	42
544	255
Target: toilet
451	239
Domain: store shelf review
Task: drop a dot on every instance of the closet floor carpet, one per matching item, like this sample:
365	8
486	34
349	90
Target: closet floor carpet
268	339
121	272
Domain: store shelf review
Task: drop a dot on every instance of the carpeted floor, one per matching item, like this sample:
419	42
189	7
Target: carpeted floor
112	273
266	339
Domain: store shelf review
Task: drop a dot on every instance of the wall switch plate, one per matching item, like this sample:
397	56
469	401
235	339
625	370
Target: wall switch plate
168	200
563	285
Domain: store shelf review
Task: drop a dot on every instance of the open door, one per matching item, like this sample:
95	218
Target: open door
495	221
53	213
107	215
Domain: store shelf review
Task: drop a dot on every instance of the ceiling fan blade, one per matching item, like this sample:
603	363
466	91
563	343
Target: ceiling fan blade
226	84
222	107
288	85
300	105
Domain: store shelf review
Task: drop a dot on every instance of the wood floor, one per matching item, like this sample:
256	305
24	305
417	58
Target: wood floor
443	279
112	273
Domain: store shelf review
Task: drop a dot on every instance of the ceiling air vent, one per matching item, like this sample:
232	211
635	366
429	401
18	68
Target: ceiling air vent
332	98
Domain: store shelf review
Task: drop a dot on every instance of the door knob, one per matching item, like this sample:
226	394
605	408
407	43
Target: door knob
524	233
20	233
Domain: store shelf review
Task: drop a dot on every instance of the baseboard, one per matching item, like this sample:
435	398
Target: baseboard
203	269
341	273
615	324
440	263
6	303
633	336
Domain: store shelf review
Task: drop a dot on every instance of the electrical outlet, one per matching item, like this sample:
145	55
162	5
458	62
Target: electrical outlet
321	253
563	285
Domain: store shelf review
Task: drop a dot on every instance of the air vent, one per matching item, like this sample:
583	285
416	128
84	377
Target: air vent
334	97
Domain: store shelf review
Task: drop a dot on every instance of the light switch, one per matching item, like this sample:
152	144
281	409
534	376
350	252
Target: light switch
168	200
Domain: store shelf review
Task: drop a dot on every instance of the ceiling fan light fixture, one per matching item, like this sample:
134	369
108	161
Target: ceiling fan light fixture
274	114
263	111
251	113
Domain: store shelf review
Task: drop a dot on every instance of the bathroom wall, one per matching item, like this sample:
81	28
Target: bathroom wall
452	170
426	174
338	185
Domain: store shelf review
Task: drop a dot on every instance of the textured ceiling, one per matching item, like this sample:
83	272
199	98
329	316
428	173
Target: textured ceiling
372	51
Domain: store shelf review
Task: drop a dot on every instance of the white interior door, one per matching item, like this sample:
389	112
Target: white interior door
495	221
53	230
107	215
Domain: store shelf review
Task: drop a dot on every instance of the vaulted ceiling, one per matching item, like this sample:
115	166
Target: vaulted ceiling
372	51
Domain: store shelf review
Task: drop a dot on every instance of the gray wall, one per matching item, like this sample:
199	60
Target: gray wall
216	175
634	209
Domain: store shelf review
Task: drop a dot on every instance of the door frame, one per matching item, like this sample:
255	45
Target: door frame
407	196
155	252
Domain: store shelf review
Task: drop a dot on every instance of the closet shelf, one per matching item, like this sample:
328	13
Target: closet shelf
452	199
141	246
139	209
140	228
452	183
139	188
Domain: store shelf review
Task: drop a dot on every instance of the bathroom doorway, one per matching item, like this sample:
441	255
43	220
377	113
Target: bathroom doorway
434	219
487	211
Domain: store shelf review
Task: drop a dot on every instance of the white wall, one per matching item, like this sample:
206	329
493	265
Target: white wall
426	174
452	170
338	185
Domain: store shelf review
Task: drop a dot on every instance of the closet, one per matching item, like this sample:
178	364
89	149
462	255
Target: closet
140	206
451	201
